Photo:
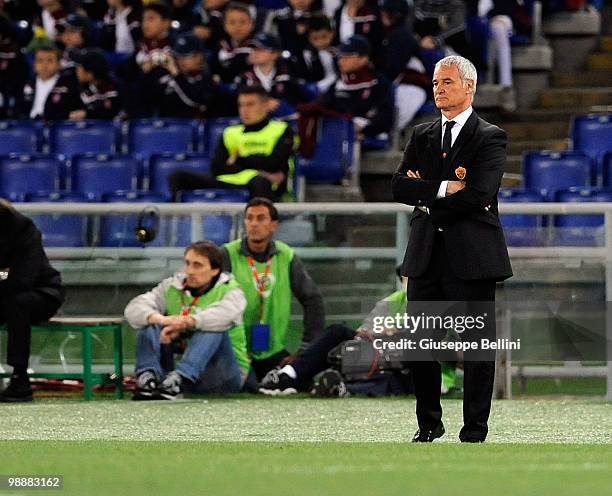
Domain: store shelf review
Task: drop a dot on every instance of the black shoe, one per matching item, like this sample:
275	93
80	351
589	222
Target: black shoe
428	436
18	390
172	387
146	387
330	385
472	440
277	383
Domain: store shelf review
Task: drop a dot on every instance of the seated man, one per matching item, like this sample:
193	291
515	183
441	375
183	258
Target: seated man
269	272
361	92
202	302
299	374
257	154
31	291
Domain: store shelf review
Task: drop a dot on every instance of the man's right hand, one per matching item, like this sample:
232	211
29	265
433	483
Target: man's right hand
454	186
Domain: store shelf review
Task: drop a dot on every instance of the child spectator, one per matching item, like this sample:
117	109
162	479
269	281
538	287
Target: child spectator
315	64
99	94
53	11
149	63
292	23
400	61
122	26
50	95
231	59
271	71
73	33
187	90
360	91
359	17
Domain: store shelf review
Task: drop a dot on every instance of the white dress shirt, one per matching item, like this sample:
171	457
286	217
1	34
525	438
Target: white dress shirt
43	89
459	121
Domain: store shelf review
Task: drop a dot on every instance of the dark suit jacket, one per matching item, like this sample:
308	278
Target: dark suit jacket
473	236
21	251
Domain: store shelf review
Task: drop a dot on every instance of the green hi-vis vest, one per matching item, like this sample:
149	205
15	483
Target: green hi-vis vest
397	302
236	334
242	144
277	297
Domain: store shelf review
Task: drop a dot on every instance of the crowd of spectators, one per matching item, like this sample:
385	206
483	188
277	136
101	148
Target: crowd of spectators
101	59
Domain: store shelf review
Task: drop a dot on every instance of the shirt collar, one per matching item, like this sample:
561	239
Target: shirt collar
460	119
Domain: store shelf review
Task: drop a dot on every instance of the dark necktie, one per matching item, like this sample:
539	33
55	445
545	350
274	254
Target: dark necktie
447	140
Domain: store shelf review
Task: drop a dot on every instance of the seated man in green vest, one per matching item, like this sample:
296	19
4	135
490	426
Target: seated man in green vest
298	375
202	302
269	273
256	155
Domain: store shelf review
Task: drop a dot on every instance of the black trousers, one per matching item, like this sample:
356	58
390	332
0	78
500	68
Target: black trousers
182	180
314	358
19	312
439	283
262	367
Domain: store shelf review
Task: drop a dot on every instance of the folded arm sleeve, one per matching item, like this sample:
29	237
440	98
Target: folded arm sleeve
411	191
140	308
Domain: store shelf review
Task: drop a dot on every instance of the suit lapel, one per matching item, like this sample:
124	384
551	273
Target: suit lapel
464	136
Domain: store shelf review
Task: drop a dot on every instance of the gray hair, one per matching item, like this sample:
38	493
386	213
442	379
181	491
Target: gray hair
465	67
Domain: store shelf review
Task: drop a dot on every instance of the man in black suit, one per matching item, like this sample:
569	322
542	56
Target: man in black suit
451	172
31	291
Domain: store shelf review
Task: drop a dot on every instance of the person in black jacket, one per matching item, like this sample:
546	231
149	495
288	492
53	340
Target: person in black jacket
99	94
360	91
30	292
50	95
187	90
451	172
400	61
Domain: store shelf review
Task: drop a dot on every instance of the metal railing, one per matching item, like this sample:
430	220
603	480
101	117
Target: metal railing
401	212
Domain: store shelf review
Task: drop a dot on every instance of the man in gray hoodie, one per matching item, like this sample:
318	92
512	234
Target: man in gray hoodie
202	303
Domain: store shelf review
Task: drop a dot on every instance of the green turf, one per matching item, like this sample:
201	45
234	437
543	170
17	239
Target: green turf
300	446
295	469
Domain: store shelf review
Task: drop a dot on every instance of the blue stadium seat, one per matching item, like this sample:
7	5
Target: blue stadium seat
20	137
21	174
522	229
119	230
161	165
59	230
71	137
607	170
215	228
549	171
96	174
148	136
592	134
581	230
212	132
333	153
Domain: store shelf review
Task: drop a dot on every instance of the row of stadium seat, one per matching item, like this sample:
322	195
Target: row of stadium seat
333	155
550	171
119	230
564	230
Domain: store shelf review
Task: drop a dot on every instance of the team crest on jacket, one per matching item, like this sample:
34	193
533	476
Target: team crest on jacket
460	173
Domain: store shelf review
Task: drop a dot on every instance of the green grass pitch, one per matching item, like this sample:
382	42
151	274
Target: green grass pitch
300	446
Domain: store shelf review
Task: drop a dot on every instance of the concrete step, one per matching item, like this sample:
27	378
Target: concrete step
518	147
599	61
586	78
536	131
576	96
605	44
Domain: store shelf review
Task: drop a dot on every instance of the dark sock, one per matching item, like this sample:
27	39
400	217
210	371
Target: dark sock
20	371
